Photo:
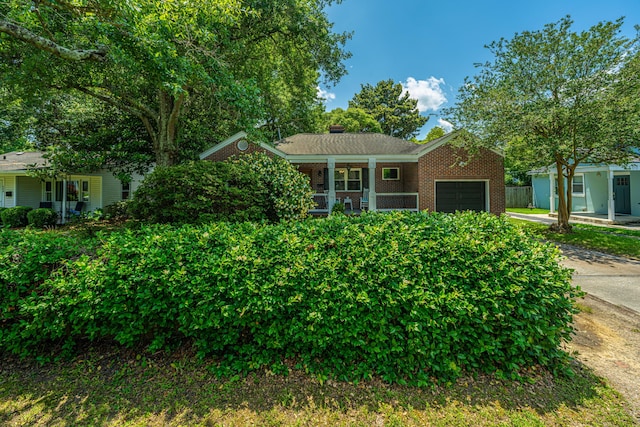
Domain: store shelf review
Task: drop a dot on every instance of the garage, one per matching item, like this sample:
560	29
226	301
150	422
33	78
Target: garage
454	196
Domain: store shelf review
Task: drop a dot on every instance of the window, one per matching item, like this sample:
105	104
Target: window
348	179
73	191
578	185
390	174
126	190
48	192
85	191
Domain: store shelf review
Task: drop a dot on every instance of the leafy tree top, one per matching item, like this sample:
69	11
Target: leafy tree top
396	112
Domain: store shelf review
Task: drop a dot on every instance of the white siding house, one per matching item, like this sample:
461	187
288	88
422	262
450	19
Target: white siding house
94	190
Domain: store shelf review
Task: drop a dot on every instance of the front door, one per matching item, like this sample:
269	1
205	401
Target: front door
622	194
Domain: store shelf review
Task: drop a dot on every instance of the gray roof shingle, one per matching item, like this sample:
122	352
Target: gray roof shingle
346	144
20	160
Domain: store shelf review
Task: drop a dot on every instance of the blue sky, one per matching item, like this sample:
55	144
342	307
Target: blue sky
430	46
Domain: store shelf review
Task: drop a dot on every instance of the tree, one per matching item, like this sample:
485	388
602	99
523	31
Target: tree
184	69
556	97
353	119
435	133
396	112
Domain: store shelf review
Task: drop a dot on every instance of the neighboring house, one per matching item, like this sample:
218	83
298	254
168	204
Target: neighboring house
96	190
379	172
598	189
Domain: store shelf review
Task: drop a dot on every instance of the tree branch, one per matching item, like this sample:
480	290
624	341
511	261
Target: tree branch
50	46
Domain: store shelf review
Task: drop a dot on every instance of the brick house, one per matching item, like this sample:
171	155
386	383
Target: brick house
379	172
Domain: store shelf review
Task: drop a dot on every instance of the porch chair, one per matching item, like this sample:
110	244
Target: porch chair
77	210
364	199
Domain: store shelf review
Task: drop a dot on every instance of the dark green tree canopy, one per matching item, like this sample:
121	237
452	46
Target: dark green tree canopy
353	119
556	97
189	71
396	112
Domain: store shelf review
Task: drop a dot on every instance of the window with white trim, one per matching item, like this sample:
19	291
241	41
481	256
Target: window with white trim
577	185
390	174
126	190
48	191
348	179
85	191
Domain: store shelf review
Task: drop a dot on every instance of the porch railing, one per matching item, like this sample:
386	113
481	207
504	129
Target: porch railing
322	202
397	202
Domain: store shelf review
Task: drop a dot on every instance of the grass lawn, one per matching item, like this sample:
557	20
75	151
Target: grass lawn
121	388
611	240
528	211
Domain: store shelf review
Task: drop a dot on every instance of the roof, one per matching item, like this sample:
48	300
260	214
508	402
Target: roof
358	144
21	160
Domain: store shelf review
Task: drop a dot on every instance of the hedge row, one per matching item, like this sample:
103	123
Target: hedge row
409	297
21	216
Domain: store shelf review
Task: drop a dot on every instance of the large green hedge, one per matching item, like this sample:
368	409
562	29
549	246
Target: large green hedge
409	297
252	187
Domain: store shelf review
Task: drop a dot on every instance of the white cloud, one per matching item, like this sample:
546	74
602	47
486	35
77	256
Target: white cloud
325	95
448	127
428	92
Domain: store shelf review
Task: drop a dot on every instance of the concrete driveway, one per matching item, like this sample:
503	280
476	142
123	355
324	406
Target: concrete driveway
611	278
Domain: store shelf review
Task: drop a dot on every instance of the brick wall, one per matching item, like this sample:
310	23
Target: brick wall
441	164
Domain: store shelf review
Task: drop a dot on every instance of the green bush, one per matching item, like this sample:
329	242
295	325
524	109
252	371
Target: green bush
15	217
197	192
118	211
42	217
289	192
337	209
408	297
252	187
27	259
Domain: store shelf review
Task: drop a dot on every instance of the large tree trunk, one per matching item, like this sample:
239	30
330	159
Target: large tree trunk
165	143
564	207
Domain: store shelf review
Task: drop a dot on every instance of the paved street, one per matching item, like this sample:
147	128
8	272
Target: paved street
611	278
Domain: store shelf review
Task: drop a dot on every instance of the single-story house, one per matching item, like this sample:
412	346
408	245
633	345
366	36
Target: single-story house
596	189
94	190
379	172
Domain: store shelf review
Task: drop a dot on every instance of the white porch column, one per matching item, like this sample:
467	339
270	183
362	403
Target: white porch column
331	170
611	205
64	201
552	193
372	184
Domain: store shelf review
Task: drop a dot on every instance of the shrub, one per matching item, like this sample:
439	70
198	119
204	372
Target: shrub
118	211
408	297
15	217
42	217
27	259
198	191
288	191
338	208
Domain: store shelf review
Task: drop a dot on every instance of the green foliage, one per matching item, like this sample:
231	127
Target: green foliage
187	71
338	208
408	297
435	133
42	217
396	112
252	187
353	120
27	259
16	216
556	97
118	211
198	191
289	193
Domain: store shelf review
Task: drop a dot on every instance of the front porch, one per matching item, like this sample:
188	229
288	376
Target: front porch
595	218
372	185
355	205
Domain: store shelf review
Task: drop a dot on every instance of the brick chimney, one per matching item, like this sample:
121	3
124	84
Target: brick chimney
336	129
